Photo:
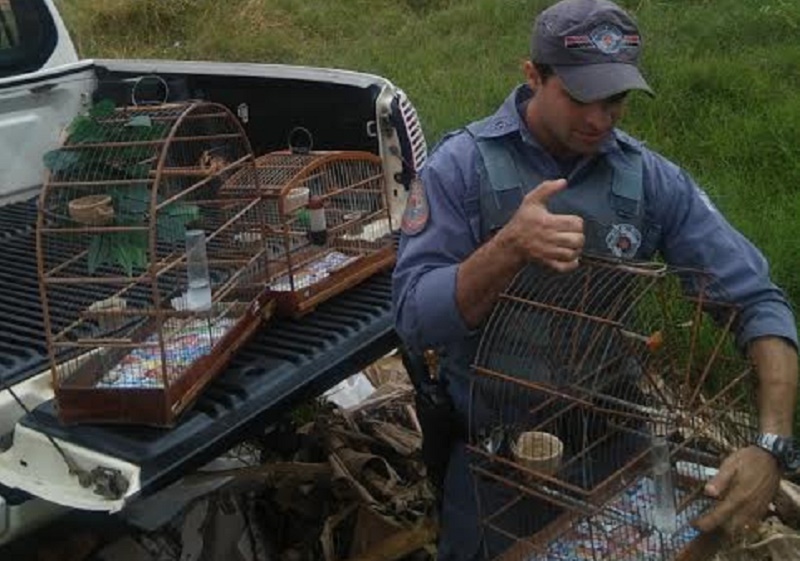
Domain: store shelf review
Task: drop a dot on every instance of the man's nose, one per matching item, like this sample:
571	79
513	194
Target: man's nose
599	116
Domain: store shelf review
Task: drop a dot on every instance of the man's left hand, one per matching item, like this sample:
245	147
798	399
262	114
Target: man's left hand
746	483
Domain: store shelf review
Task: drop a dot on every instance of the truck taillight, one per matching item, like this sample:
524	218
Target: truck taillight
413	147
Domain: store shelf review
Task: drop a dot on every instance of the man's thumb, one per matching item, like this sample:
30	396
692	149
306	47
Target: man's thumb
719	484
545	190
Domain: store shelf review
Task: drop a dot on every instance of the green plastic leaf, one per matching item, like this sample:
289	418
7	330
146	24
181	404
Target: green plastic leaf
140	121
84	130
95	255
123	255
171	229
132	203
139	239
140	257
103	108
303	218
60	160
173	220
182	211
79	128
139	170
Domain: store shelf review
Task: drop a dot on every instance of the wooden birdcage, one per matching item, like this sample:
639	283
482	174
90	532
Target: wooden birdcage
328	224
140	254
602	401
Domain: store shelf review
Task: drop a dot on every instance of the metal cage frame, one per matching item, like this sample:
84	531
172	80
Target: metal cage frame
350	187
122	191
620	362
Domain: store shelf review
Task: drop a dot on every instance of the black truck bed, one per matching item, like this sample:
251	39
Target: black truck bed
286	362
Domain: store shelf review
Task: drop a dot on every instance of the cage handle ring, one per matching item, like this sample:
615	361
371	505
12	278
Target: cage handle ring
138	82
296	134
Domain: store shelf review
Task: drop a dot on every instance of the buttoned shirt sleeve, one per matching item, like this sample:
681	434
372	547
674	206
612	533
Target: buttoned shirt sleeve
424	279
694	234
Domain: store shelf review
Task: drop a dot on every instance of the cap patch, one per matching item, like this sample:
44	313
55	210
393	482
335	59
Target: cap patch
607	38
417	212
631	40
578	42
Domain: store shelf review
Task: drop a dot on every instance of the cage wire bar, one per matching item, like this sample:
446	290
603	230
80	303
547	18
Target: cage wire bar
601	402
328	224
125	191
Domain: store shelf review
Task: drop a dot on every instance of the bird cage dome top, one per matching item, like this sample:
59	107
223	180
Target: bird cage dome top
291	177
139	165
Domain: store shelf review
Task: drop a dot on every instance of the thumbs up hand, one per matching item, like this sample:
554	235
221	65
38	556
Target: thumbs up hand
534	234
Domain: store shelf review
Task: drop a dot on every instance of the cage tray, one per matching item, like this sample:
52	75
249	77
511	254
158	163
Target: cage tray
132	390
320	268
621	531
186	340
323	275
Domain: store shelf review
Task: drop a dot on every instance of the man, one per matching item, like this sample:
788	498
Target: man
531	183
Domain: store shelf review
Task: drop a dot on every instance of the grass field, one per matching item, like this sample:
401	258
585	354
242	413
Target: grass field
726	72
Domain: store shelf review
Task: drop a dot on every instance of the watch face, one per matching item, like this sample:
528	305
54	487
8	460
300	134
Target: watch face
787	453
792	459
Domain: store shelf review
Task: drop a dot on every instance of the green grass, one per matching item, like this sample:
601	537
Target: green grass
726	73
8	28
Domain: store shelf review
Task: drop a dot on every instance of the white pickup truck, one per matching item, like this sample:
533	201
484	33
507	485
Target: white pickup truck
45	466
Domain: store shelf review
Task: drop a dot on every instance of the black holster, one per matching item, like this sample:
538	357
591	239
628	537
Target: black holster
436	415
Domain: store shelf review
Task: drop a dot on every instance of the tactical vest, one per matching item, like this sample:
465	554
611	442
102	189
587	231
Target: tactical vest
607	193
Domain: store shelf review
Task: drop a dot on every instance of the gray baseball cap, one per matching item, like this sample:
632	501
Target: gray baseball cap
592	45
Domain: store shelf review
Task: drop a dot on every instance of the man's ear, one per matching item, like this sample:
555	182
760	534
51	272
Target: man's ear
532	77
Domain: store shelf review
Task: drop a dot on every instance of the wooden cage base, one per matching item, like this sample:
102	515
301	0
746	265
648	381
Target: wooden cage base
618	529
80	399
304	300
702	548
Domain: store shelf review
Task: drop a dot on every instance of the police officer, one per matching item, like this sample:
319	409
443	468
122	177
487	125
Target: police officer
547	177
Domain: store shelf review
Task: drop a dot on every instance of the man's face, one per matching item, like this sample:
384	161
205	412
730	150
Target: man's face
564	125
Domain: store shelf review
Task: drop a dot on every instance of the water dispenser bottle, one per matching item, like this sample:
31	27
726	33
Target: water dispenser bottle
198	295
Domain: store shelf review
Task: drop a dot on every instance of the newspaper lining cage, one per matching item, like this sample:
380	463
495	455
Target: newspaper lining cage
327	227
602	401
138	249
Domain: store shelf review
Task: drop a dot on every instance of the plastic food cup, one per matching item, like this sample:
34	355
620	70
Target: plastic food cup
538	451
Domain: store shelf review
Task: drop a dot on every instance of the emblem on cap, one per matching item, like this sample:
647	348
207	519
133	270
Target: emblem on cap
624	240
607	38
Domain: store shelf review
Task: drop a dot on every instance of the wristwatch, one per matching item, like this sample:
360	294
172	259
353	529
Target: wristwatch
782	447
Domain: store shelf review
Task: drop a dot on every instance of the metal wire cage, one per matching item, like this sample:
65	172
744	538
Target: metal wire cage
142	269
602	401
328	224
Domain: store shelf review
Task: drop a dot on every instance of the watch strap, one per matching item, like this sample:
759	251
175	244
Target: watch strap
781	447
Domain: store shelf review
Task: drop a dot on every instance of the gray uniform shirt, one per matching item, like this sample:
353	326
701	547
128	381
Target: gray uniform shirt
682	224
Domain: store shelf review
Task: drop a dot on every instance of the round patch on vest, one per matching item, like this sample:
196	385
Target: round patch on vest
417	212
624	240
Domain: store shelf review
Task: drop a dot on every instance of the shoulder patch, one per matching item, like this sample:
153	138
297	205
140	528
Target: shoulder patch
417	212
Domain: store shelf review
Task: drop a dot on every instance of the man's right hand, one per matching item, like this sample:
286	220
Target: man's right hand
534	234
